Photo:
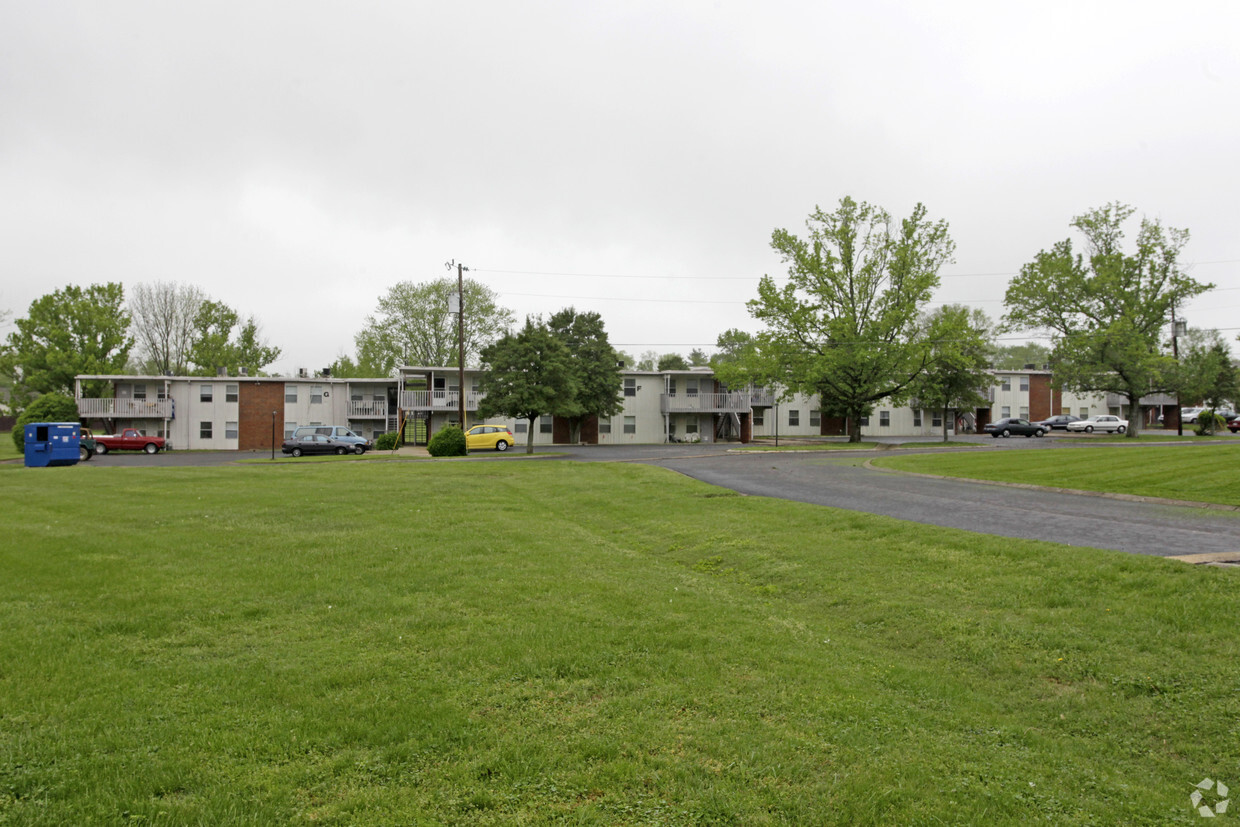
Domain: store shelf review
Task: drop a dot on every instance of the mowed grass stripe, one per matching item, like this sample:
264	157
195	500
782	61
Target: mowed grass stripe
524	643
1202	473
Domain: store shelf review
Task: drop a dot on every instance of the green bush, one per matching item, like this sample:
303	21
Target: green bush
386	442
1208	422
50	407
448	441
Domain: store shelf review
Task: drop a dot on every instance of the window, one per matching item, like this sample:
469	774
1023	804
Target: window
316	394
544	424
230	393
691	387
1084	413
630	387
671	386
1024	383
815	419
1005	412
604	425
794	417
290	393
1005	383
206	393
691	427
289	427
758	414
884	419
671	427
630	424
230	430
936	420
204	430
355	396
865	422
521	427
1024	413
139	391
917	418
161	392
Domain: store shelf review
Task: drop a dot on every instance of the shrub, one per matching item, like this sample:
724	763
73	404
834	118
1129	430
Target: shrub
448	441
1208	422
50	407
386	442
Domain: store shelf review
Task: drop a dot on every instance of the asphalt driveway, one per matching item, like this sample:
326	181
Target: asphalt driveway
837	480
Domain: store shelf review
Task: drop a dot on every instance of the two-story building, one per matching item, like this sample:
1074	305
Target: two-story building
257	413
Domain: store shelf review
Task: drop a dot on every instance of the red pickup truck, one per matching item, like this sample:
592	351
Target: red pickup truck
128	440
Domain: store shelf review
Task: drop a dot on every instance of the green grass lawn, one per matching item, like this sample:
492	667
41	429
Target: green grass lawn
563	643
1204	473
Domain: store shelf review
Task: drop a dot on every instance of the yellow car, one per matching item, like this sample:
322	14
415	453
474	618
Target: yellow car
485	437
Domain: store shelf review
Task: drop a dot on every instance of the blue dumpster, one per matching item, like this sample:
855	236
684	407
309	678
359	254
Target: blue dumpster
52	443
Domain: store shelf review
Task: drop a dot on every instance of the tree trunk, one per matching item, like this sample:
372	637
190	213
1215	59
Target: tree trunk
946	411
574	430
1134	416
854	428
529	435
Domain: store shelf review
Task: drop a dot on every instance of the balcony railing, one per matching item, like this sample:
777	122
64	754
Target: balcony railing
438	400
705	403
124	408
368	410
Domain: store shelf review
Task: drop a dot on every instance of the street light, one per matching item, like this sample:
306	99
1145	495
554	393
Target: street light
1178	328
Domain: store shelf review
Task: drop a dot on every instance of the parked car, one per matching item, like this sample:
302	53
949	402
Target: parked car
1101	422
320	444
1188	416
1233	424
1057	422
336	432
129	439
486	437
1014	427
86	445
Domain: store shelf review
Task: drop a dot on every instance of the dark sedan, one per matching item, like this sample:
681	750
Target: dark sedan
319	444
1061	422
1014	427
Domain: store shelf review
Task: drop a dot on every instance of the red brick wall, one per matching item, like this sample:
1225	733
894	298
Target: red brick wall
255	402
1043	402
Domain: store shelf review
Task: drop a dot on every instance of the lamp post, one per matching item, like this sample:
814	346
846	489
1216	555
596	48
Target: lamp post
1178	329
273	434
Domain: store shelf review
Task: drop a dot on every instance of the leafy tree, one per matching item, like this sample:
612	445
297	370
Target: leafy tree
733	344
672	361
528	374
66	333
598	381
1207	374
50	407
648	360
1016	357
164	314
1106	309
215	345
844	326
412	325
959	346
698	358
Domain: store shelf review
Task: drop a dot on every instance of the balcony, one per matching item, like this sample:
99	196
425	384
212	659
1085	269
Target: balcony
705	403
125	408
438	400
368	410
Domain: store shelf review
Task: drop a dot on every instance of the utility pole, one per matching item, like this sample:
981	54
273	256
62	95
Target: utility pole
1175	350
460	339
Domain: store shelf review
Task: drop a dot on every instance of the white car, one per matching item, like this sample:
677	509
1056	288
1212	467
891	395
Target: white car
1101	422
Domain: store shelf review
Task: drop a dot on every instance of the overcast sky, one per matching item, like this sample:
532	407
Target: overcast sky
294	160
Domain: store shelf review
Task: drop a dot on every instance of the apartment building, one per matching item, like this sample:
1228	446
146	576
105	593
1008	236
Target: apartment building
254	413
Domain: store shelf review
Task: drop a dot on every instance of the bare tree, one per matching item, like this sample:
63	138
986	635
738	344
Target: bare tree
163	323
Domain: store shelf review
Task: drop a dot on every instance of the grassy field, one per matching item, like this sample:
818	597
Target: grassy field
562	643
1204	473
